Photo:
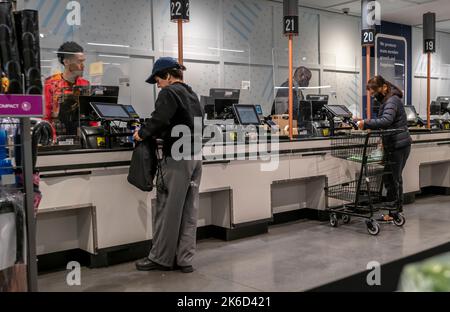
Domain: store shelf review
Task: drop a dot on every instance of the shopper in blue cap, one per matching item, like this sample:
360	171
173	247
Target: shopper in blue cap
176	212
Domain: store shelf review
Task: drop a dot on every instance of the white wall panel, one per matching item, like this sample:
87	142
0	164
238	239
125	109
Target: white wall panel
247	25
142	94
117	22
261	84
200	34
202	76
306	45
347	90
102	21
440	70
340	44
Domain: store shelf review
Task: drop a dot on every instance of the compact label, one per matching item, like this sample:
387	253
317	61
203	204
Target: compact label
21	105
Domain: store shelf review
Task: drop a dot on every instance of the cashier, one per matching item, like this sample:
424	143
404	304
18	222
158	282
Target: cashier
397	147
302	77
59	106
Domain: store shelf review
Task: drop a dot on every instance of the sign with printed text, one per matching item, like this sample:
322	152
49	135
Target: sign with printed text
21	105
290	25
391	60
368	37
179	10
429	45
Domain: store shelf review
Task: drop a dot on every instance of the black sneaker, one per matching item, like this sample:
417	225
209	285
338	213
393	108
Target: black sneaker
185	269
148	265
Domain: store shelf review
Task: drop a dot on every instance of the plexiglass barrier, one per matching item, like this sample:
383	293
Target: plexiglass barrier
439	91
314	86
100	74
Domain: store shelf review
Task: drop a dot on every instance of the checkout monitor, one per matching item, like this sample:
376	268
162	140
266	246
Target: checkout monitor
444	101
105	90
223	108
340	111
317	97
223	101
225	94
86	109
311	110
246	114
259	110
411	114
109	111
131	111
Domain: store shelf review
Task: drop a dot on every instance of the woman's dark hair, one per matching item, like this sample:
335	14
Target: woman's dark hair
67	50
378	82
302	72
174	72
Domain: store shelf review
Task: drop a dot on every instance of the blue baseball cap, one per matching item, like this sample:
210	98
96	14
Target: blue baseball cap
161	64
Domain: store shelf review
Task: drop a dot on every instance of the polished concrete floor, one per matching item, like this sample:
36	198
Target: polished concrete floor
293	257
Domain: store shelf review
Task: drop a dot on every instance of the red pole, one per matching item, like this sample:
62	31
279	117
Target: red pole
429	91
368	68
180	42
291	86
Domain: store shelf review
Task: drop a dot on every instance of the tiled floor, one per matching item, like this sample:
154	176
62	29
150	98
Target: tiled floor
292	257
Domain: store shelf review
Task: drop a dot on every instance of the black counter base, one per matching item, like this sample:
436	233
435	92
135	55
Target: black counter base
435	190
410	198
299	214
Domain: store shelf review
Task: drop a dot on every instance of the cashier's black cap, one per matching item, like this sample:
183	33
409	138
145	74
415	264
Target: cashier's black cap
162	64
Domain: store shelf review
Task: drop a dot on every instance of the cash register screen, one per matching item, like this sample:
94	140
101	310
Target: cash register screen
110	111
411	114
131	111
259	109
247	115
339	111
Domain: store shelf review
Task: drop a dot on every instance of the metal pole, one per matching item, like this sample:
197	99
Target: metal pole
368	70
291	86
27	163
429	91
180	41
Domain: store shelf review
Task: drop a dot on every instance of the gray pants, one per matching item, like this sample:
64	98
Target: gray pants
176	212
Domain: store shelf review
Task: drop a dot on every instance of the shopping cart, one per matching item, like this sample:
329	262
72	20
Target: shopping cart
362	197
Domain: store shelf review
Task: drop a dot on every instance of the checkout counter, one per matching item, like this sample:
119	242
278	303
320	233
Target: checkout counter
246	185
91	118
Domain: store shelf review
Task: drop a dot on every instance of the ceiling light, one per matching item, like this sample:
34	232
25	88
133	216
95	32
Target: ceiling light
108	45
114	56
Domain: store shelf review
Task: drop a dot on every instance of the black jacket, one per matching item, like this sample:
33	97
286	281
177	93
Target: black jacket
392	115
177	105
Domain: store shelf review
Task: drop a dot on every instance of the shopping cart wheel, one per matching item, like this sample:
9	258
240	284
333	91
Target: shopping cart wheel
373	227
333	220
399	219
346	219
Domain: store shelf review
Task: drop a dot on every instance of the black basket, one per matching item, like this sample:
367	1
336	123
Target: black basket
375	169
360	147
371	190
355	146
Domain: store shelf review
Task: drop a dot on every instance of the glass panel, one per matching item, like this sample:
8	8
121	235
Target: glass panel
439	92
310	95
100	74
